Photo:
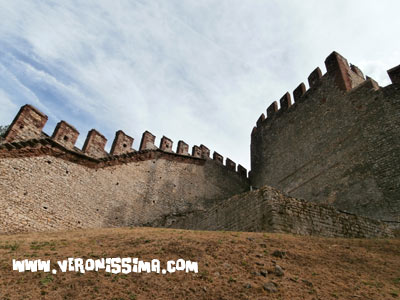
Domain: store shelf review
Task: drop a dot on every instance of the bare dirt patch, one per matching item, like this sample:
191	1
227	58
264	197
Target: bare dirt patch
232	265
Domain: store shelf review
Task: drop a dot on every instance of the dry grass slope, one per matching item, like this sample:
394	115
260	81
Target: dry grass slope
231	265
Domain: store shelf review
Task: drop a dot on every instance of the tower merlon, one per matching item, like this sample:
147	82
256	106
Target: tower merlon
205	152
147	142
272	109
231	165
166	144
253	132
196	151
260	119
65	134
338	68
314	77
122	143
183	148
218	157
285	101
27	124
299	92
94	144
242	171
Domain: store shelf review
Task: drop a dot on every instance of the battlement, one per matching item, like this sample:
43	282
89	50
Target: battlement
345	76
336	143
183	148
122	143
27	124
65	134
26	131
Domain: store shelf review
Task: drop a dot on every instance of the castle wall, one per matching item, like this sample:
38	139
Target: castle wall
338	144
49	184
269	210
48	193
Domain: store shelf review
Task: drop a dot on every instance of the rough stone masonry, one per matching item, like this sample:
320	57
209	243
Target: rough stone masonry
49	184
267	209
337	145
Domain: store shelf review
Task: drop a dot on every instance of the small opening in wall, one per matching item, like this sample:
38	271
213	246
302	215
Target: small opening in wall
21	126
124	145
154	201
48	161
79	222
66	171
25	193
97	209
65	138
45	207
166	146
117	183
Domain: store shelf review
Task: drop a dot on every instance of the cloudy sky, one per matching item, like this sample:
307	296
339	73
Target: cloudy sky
200	71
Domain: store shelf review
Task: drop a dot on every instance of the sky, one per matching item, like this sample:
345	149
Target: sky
197	71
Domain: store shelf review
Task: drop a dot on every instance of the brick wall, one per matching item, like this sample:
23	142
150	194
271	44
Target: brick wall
28	124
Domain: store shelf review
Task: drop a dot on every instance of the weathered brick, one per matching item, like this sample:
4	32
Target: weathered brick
27	124
65	134
122	143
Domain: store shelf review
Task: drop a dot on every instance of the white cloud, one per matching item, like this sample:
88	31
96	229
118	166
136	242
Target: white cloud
8	109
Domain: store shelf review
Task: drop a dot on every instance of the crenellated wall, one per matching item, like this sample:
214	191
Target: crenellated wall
338	143
49	184
26	130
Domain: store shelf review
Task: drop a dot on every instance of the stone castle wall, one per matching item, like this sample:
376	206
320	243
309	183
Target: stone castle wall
338	143
49	184
267	209
48	193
